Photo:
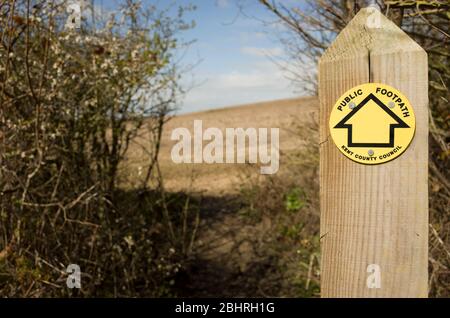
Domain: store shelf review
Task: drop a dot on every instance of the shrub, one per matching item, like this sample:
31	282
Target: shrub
71	103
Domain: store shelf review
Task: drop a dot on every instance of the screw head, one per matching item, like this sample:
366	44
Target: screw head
371	152
391	104
352	105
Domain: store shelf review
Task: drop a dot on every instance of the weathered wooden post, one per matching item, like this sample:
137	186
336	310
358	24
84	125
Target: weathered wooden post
374	210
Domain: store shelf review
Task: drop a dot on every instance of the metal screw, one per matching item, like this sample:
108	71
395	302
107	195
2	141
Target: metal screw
371	152
352	105
391	104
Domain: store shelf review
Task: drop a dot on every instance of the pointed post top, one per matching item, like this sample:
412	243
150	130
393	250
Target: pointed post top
366	248
369	32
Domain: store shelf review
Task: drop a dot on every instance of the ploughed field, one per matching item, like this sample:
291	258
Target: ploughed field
224	178
227	258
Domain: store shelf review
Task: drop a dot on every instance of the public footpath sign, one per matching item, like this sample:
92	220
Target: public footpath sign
372	123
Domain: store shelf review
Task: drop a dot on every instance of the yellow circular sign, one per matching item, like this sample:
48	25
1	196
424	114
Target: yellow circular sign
372	123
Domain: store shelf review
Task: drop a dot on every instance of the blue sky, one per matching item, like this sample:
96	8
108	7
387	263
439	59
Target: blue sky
236	55
233	54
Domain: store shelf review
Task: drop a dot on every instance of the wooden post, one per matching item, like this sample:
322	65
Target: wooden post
374	214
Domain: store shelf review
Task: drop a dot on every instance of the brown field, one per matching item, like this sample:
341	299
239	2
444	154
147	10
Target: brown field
220	179
228	251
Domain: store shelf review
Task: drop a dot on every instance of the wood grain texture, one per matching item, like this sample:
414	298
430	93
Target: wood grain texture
374	214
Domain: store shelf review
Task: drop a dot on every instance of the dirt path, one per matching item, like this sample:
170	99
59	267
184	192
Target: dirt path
227	261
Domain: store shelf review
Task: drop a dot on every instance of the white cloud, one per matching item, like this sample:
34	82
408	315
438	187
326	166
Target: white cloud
262	52
262	81
259	35
251	36
223	3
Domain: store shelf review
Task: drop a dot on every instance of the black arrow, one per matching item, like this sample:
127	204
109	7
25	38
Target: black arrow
399	124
